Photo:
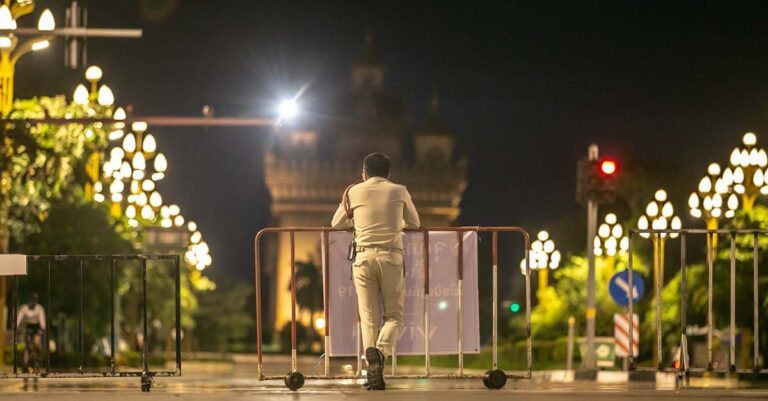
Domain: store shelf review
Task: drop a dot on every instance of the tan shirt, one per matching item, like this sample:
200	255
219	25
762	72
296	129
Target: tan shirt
381	211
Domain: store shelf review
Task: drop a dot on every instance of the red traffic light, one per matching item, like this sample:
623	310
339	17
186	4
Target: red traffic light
608	167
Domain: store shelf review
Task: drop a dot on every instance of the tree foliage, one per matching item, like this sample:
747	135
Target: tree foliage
567	297
39	161
222	317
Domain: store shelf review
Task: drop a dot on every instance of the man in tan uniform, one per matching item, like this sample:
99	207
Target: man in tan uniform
378	210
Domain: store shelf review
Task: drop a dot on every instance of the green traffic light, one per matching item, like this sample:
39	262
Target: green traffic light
515	307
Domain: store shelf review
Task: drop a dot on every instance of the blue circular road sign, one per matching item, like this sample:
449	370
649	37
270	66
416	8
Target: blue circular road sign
619	287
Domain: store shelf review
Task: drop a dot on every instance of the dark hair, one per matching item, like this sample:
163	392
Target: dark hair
376	165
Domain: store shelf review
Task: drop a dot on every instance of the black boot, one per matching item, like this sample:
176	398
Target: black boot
375	368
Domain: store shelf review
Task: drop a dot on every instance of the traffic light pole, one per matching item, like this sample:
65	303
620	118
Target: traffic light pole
589	360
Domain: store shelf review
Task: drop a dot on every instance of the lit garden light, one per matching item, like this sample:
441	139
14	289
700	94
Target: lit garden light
544	257
747	171
611	241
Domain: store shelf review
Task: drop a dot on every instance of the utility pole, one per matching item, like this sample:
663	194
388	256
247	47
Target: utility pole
589	360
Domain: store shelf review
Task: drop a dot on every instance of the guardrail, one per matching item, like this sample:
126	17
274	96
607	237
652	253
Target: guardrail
684	367
145	373
494	378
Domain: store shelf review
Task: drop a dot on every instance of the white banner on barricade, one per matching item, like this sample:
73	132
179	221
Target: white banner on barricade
443	281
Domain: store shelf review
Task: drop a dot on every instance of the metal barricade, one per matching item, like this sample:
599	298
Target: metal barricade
494	378
684	368
145	373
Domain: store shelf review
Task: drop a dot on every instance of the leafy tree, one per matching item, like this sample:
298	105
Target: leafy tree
309	287
38	161
567	297
222	316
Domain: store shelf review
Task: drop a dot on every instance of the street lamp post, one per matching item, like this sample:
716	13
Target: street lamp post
12	48
96	101
659	215
746	170
130	175
544	257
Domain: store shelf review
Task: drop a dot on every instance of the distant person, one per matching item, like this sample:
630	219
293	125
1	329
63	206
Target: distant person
32	318
378	210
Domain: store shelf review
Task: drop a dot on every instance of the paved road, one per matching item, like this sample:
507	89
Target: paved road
204	388
227	382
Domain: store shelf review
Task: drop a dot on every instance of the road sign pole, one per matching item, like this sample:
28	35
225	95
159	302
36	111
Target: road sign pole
589	360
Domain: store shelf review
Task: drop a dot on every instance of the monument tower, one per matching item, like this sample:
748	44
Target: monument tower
308	167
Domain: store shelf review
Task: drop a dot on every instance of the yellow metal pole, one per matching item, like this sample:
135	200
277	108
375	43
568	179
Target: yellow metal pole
656	246
543	279
712	238
662	241
610	266
6	84
6	105
748	201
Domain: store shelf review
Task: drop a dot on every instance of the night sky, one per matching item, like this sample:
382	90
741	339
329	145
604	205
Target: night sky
525	85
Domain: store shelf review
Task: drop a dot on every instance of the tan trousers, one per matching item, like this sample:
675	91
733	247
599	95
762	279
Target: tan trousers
379	282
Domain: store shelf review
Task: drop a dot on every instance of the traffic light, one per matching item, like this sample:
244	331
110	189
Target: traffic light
597	178
514	307
608	167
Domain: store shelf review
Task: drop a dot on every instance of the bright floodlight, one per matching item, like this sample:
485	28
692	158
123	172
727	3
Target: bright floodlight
288	109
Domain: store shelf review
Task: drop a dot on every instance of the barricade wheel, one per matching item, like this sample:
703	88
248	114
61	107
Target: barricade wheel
495	379
485	379
146	383
294	381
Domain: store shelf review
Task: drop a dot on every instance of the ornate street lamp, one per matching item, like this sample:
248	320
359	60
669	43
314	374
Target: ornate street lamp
99	100
713	200
136	166
746	171
659	215
611	241
198	253
12	48
132	172
544	257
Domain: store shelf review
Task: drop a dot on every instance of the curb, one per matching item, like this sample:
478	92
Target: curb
663	380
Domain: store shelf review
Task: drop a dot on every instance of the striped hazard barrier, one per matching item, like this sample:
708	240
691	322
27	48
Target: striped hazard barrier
621	329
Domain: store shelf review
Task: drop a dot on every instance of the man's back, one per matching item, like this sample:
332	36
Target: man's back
381	210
